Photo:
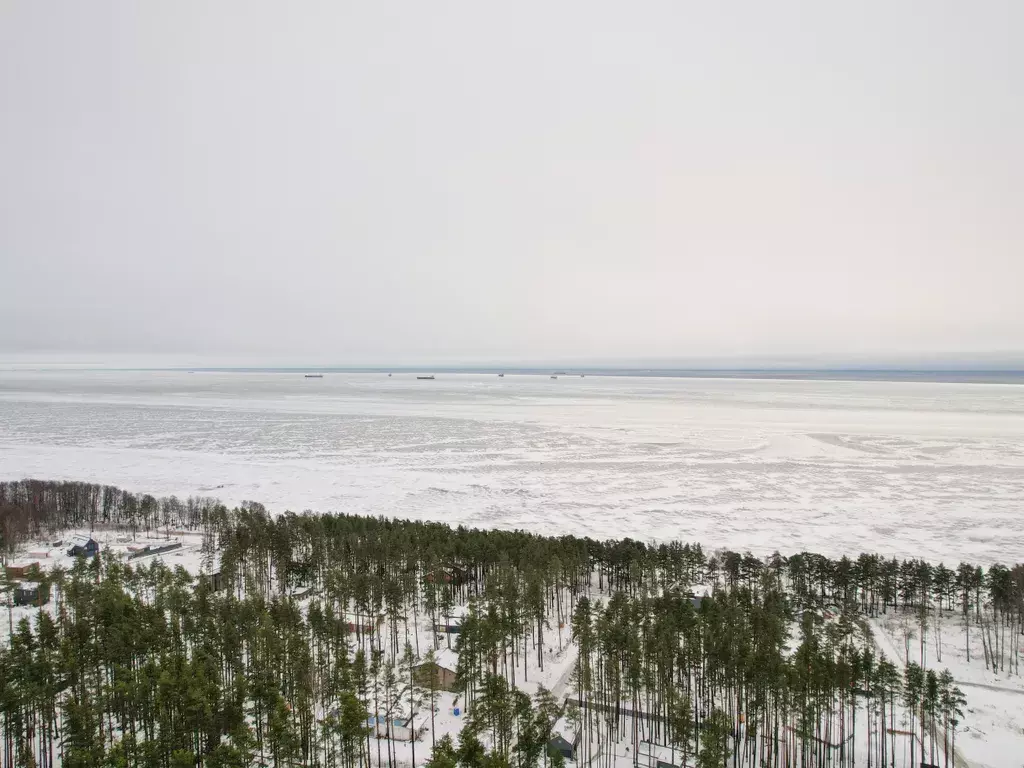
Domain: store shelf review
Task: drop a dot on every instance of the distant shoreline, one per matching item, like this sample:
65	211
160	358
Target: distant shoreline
961	376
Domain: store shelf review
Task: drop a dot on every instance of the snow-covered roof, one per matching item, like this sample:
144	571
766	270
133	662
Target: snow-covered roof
79	540
562	729
457	612
446	659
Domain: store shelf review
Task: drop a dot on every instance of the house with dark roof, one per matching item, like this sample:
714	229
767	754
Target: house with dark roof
83	546
565	740
31	593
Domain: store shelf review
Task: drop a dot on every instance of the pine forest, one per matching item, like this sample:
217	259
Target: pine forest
341	641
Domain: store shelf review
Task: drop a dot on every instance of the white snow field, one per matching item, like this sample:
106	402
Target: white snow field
912	469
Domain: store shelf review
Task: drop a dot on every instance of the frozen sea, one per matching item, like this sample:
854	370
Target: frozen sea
932	470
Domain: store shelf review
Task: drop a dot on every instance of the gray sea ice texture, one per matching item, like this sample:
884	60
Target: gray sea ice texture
908	469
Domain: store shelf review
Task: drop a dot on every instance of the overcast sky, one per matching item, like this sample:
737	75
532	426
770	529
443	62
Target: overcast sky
378	181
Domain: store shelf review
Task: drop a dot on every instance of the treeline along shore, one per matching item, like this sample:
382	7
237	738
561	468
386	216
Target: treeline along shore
302	639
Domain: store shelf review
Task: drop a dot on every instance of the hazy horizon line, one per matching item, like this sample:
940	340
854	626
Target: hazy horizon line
1002	360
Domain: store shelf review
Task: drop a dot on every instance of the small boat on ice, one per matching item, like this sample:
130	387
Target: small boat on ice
553	376
314	375
425	378
501	375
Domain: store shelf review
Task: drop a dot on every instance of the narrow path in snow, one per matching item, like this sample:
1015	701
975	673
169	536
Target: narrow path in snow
886	647
988	687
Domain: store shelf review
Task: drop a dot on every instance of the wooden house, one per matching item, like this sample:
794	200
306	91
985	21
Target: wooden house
441	671
20	570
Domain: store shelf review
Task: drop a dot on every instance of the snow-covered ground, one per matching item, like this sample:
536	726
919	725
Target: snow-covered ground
992	733
449	714
50	555
909	469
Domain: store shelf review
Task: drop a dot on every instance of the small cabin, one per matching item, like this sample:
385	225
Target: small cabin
31	593
83	546
565	739
567	749
439	673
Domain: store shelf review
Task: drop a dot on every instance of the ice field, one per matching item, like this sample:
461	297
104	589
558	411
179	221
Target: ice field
932	470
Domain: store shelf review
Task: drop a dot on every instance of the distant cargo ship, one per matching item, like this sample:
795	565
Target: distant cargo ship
425	378
314	375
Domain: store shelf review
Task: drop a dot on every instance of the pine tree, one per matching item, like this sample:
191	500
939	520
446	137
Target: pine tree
714	749
444	754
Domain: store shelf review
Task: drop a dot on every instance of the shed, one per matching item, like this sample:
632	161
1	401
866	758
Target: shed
83	546
442	670
31	593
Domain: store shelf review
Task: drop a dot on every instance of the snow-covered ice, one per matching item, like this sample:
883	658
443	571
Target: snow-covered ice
903	468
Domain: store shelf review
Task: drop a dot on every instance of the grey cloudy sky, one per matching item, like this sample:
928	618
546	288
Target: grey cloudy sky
363	181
